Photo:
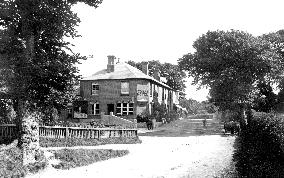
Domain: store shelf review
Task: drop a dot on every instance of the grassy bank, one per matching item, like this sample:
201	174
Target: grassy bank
71	158
11	162
69	142
11	156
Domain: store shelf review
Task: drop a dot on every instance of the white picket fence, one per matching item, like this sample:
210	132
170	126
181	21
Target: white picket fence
10	131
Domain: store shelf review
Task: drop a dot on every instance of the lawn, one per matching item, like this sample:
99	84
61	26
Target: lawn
71	158
11	156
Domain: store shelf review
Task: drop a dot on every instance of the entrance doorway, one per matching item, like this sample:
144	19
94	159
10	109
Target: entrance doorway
110	108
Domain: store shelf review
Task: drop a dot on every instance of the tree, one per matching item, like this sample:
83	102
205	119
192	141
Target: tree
37	64
172	73
191	105
266	99
230	63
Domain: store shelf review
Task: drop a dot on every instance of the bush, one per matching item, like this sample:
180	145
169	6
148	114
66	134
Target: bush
71	158
260	147
69	142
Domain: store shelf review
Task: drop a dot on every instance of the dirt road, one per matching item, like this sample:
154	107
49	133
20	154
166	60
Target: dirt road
192	156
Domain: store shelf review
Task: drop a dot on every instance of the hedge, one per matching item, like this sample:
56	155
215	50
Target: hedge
260	147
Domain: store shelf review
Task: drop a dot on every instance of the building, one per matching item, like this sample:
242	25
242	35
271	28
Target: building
122	90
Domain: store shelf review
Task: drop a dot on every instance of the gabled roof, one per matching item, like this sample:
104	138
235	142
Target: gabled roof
122	71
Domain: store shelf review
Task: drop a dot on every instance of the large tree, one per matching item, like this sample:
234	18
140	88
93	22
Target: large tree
230	63
172	73
36	63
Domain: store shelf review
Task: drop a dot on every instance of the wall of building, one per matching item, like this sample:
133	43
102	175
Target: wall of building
110	93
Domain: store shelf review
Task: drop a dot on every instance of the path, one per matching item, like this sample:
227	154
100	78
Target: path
171	151
193	156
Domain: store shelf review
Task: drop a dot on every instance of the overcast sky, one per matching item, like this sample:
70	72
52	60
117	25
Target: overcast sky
165	29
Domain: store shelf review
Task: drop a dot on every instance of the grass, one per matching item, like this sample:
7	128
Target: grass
11	156
71	158
11	162
69	142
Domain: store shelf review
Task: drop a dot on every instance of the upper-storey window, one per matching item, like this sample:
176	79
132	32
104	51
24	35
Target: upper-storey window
125	88
95	89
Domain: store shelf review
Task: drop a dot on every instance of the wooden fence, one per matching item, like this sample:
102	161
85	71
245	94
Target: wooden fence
10	131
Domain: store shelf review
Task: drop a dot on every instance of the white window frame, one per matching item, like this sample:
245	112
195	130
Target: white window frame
124	88
95	91
95	108
125	108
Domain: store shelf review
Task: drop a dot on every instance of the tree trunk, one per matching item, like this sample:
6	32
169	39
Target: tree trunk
27	120
28	135
242	116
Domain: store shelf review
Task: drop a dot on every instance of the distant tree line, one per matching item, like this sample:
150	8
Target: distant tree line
175	78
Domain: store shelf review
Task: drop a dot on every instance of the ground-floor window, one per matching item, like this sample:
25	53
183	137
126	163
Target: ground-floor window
95	108
124	108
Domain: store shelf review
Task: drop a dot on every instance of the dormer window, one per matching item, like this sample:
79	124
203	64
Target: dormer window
95	89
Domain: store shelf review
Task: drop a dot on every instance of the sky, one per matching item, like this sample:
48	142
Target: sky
165	30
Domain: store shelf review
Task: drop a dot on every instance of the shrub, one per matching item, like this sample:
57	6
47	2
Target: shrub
260	147
71	158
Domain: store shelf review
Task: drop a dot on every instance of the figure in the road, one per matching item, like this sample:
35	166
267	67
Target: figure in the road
149	124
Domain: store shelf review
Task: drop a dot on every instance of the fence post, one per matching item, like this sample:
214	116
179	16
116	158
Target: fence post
99	134
67	132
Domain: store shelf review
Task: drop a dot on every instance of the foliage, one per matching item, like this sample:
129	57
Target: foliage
265	99
195	107
71	158
70	142
11	162
260	148
229	63
7	112
172	73
37	63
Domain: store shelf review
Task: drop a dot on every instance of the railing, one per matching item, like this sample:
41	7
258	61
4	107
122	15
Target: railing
77	132
10	131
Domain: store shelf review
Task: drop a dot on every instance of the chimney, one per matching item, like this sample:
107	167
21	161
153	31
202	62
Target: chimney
110	65
145	69
157	74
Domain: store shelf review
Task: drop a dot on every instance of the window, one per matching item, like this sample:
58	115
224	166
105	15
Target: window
95	89
125	88
124	108
95	109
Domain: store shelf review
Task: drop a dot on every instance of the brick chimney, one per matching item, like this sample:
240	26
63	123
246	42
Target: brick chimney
157	74
110	65
145	69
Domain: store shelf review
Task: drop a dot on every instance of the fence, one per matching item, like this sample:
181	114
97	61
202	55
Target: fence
10	131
